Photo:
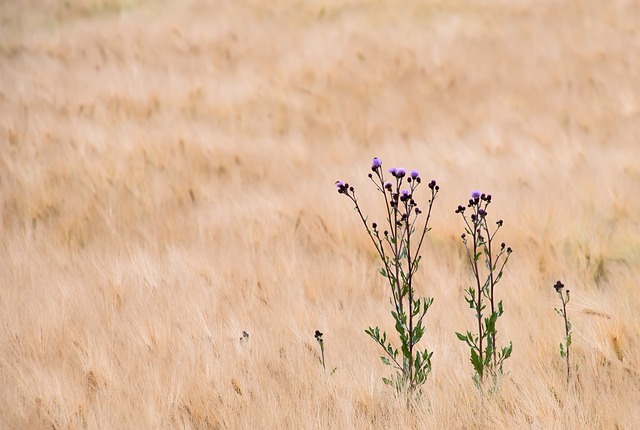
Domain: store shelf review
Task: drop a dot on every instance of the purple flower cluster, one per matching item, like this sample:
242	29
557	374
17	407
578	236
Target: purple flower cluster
343	188
396	195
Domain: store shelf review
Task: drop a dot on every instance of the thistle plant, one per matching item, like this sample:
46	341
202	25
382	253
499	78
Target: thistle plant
318	336
564	347
398	243
487	266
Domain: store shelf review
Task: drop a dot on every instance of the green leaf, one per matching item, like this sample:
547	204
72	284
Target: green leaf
461	336
385	360
405	352
475	361
506	351
418	332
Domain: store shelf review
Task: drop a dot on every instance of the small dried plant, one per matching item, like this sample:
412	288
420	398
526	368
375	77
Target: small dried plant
566	344
487	267
398	244
318	335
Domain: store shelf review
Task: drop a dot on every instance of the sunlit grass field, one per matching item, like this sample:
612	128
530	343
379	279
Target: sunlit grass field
167	175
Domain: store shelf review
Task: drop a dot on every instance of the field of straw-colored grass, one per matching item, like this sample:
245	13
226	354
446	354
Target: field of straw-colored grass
167	176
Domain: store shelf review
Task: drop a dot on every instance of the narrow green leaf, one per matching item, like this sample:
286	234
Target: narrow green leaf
475	361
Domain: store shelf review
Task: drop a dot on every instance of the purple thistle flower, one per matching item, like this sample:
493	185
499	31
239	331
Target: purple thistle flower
475	194
342	187
400	172
393	171
414	174
376	164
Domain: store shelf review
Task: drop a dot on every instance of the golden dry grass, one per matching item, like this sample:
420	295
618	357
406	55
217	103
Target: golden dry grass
166	182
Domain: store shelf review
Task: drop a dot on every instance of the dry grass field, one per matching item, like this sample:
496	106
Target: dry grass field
167	176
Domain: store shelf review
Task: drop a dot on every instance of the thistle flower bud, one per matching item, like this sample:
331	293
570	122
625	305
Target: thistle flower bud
376	164
558	286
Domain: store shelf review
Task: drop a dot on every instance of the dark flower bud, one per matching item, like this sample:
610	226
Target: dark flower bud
483	197
374	225
509	250
437	188
463	236
418	180
387	186
502	245
370	175
351	189
473	217
318	335
488	199
386	233
558	286
418	211
432	185
482	213
409	179
499	222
